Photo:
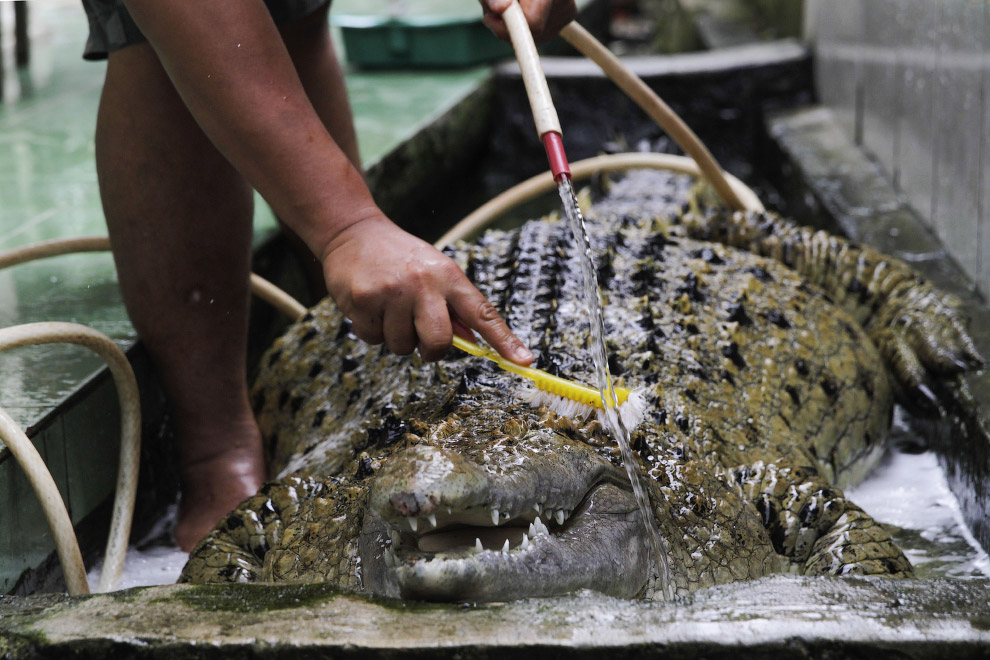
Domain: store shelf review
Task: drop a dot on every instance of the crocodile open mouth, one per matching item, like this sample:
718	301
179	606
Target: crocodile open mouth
440	536
486	554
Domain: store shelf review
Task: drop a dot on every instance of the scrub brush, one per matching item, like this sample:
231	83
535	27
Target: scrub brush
563	396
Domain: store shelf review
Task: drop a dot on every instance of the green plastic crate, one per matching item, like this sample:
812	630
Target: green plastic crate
415	33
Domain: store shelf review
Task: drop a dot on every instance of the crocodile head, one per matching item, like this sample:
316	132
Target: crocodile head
500	509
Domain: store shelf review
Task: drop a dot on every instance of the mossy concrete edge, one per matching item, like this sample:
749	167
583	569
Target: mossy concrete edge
803	617
847	192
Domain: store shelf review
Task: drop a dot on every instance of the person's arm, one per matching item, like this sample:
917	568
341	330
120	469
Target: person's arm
229	64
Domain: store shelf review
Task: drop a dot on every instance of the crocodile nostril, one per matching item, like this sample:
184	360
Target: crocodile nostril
404	503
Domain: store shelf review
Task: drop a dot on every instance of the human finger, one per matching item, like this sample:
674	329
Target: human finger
367	325
433	328
398	328
460	328
493	21
547	18
478	313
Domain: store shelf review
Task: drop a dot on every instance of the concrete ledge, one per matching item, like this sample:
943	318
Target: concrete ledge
850	194
782	616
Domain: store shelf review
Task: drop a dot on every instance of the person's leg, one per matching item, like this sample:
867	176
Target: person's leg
180	224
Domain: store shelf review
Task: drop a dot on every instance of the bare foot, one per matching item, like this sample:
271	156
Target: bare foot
213	487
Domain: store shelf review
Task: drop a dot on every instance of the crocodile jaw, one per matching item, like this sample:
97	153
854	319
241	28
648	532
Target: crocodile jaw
441	529
602	547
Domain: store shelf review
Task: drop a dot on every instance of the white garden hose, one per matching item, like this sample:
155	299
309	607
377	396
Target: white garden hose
51	502
654	106
66	546
27	456
700	162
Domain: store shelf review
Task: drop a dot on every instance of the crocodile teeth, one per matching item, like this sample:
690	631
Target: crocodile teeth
525	542
413	524
433	520
536	506
505	548
559	516
539	527
389	558
477	545
495	517
394	536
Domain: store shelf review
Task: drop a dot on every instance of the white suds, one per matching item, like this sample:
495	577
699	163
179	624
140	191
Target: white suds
157	565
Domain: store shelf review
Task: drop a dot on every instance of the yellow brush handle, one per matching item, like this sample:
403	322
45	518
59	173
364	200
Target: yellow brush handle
546	382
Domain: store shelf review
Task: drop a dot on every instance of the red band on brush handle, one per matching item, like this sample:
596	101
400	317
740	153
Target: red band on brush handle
554	145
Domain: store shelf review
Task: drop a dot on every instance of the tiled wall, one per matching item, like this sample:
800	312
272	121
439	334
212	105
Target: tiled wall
909	80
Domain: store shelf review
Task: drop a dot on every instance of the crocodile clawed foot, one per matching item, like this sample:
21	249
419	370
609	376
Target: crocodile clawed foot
924	402
922	339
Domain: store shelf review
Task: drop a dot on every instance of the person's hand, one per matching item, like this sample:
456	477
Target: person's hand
400	290
545	17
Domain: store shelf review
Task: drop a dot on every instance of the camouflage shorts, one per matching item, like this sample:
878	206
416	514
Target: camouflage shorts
111	26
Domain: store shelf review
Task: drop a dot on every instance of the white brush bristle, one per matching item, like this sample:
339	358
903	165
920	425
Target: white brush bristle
632	412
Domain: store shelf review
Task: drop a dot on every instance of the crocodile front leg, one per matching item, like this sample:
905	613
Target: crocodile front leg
811	523
237	548
918	329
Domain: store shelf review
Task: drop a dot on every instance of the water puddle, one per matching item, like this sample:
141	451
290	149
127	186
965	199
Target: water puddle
147	567
909	495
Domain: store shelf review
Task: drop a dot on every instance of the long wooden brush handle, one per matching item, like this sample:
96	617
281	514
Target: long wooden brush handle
653	105
544	114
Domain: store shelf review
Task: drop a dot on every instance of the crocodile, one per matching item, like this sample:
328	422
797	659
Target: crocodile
770	356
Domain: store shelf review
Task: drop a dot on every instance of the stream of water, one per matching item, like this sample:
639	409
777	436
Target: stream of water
603	377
